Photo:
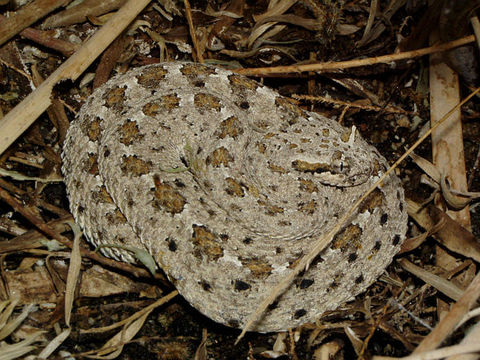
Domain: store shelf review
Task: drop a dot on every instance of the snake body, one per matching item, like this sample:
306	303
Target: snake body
226	184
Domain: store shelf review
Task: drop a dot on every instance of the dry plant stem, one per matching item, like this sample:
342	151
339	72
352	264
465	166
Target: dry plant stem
371	19
73	272
135	316
66	48
439	283
46	229
446	326
44	38
79	13
30	239
317	98
323	241
188	15
330	66
56	112
25	113
26	16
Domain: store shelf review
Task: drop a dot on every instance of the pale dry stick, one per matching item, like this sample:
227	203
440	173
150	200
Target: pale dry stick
476	29
324	240
445	327
188	15
25	113
330	66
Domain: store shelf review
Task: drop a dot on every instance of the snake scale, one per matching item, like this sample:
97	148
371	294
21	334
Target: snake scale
226	184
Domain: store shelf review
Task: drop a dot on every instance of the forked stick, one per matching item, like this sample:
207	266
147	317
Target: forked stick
25	113
324	240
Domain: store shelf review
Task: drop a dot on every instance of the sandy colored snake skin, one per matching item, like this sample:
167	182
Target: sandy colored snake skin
226	183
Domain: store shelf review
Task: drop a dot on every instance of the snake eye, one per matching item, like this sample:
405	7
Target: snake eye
340	166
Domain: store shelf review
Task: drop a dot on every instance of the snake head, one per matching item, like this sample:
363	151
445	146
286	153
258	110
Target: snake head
339	168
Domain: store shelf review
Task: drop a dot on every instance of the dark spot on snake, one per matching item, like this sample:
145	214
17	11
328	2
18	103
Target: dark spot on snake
352	257
316	261
224	237
396	240
205	285
278	250
359	279
80	209
199	83
378	245
333	285
305	283
299	313
247	241
273	305
211	212
172	245
106	153
241	285
383	219
233	323
184	162
179	183
244	105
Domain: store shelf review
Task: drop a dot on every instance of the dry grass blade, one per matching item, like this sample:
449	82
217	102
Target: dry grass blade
275	8
7	327
149	308
370	20
25	113
73	272
54	344
13	351
201	352
323	241
446	287
113	347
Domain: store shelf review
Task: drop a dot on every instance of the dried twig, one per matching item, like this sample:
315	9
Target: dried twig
26	16
330	66
193	35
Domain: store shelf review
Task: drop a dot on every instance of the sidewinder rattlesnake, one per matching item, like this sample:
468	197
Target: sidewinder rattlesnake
226	183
